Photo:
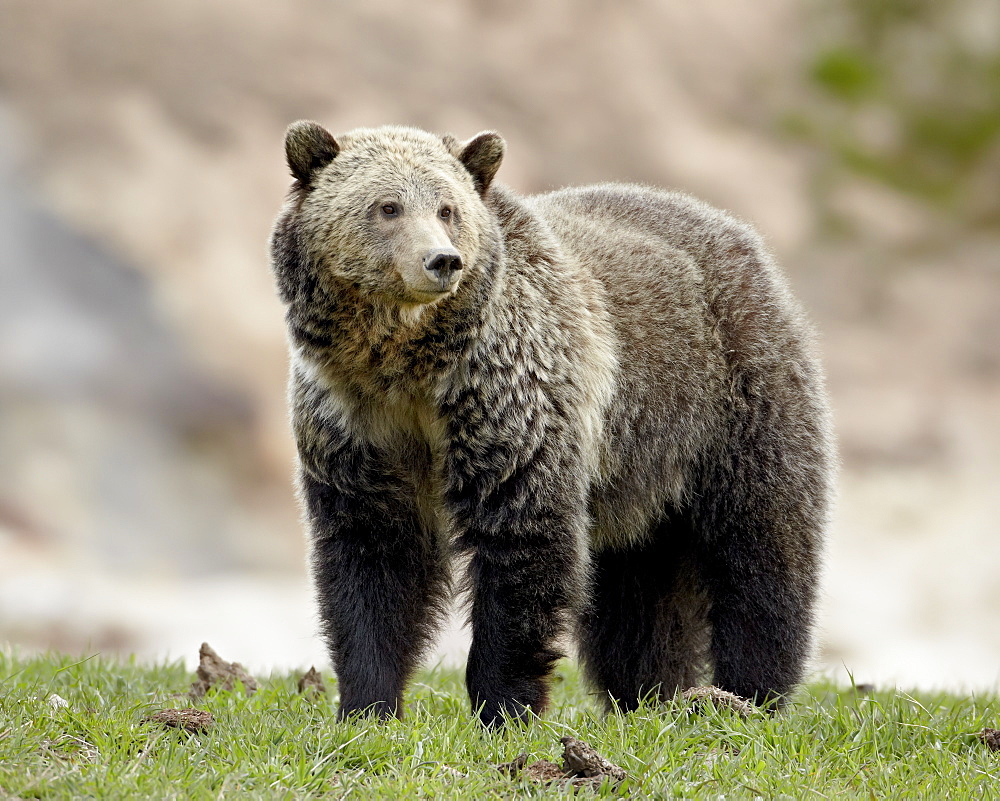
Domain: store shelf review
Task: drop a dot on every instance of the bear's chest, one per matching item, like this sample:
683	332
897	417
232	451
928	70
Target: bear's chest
398	419
398	413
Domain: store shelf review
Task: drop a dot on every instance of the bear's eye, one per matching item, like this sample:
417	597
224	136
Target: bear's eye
445	213
390	209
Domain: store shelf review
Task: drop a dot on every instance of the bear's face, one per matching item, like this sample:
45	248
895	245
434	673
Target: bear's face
394	212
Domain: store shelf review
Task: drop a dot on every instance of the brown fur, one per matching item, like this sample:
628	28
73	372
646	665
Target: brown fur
615	410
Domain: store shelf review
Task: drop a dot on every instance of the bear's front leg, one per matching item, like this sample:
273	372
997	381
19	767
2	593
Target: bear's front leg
379	580
525	534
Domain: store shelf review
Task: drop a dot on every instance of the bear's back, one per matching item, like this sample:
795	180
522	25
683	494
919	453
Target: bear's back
693	296
671	263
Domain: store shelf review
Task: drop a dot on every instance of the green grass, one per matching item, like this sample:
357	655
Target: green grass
832	742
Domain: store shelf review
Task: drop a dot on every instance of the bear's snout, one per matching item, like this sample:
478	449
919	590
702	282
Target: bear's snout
443	265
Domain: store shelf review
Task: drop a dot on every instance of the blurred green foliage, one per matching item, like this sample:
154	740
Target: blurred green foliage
910	96
845	73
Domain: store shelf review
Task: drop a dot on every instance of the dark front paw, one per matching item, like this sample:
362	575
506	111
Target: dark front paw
500	698
380	710
496	712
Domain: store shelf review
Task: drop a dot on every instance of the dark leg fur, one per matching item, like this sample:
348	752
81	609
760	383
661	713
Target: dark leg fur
380	579
762	536
643	633
762	595
517	614
524	574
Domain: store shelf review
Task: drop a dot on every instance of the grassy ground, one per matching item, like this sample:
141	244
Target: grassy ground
832	742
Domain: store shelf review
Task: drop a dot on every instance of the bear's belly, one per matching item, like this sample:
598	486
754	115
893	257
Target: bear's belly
634	495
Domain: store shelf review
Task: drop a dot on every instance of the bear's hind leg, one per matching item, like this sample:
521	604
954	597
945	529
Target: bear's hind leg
762	533
643	632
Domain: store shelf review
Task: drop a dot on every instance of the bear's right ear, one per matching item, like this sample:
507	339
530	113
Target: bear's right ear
308	147
481	156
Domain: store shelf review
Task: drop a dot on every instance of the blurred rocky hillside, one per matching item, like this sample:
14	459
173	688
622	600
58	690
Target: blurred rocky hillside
142	359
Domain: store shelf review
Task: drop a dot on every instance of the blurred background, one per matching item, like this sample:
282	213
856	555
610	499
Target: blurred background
145	457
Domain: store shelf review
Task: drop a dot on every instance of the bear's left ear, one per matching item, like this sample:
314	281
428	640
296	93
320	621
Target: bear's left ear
308	147
481	156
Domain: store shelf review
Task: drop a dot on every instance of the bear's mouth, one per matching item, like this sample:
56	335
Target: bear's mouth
428	288
430	294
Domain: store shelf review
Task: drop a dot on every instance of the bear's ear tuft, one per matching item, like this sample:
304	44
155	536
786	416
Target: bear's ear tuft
452	145
308	147
481	156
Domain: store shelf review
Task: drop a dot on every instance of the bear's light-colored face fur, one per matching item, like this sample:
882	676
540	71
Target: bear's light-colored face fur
378	213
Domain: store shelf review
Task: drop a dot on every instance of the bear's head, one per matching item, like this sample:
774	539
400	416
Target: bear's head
395	213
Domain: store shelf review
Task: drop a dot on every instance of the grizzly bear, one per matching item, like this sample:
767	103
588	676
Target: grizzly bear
602	403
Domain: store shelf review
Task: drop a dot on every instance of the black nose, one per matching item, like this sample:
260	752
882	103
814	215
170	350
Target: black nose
442	265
